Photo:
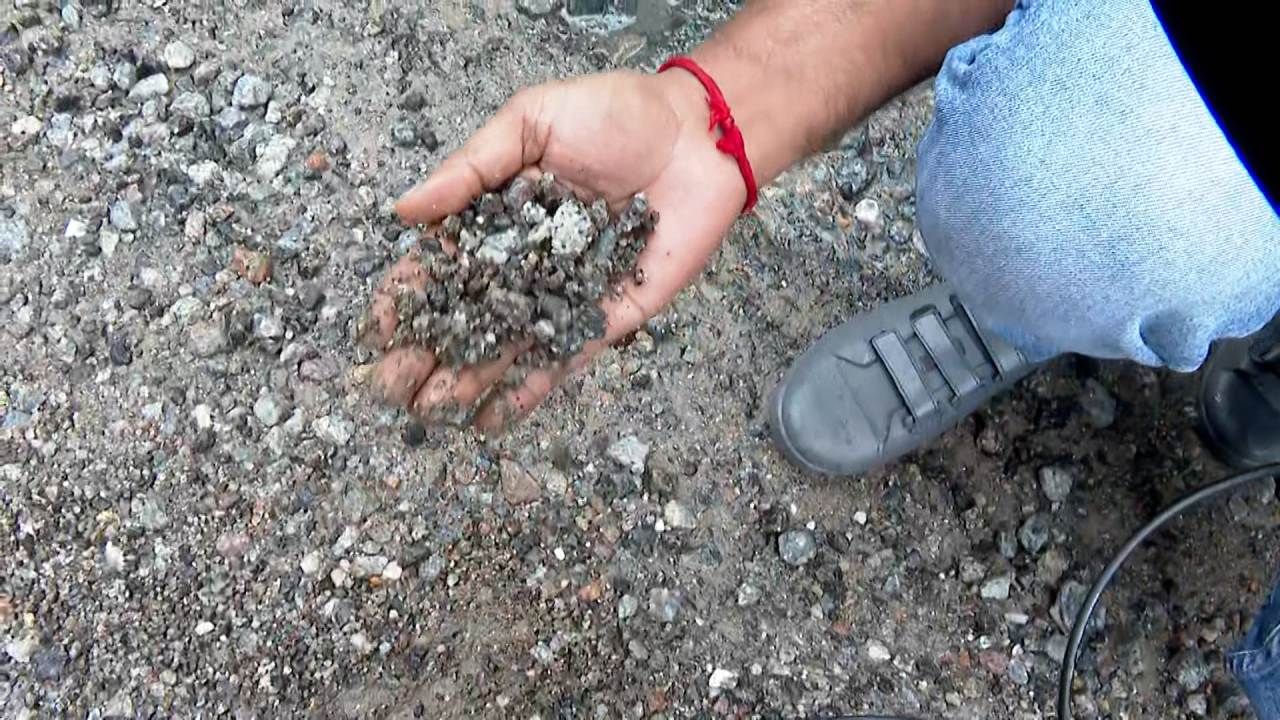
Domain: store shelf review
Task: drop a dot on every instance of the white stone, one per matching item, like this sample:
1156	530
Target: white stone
678	516
204	627
26	126
179	55
722	679
202	172
877	652
113	557
310	563
152	86
273	155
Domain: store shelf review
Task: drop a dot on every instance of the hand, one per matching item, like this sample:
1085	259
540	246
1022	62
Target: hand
608	136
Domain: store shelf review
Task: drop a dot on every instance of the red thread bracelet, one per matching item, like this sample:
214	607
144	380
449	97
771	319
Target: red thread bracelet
730	142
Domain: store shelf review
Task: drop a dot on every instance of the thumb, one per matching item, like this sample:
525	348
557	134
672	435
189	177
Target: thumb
508	143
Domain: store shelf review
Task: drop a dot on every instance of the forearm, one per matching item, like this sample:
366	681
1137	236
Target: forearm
798	72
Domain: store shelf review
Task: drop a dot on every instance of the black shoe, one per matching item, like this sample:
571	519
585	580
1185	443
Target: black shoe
1240	399
887	382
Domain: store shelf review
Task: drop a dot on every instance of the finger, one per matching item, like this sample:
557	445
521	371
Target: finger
401	373
505	409
509	142
461	388
380	326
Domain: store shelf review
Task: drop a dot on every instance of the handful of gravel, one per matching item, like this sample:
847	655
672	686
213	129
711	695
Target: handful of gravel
532	263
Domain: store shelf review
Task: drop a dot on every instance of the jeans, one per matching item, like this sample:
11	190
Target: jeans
1080	197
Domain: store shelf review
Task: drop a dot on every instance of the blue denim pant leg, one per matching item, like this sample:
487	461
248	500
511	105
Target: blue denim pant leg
1078	193
1256	661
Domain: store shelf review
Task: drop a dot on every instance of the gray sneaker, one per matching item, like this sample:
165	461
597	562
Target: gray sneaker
888	381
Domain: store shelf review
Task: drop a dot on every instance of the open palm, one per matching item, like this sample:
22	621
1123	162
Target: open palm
608	136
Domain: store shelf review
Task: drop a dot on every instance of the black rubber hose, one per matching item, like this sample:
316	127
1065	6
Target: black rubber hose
1199	497
1067	675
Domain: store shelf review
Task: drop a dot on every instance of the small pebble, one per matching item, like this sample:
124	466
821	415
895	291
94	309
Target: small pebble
627	606
664	604
179	55
310	564
1190	669
678	516
122	216
722	679
852	177
630	453
1098	404
1055	482
251	91
204	627
333	429
877	652
1034	533
119	352
797	547
997	588
152	86
269	410
518	486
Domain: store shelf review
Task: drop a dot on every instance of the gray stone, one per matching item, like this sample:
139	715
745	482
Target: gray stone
333	429
665	604
100	76
627	606
498	247
852	177
368	565
49	662
230	120
13	238
1007	542
797	547
269	410
518	486
1190	669
748	595
59	132
971	570
1070	600
191	104
678	516
404	133
997	588
179	55
125	75
1034	533
273	155
319	369
122	216
251	91
630	453
1098	404
537	7
1019	673
1055	482
152	86
206	339
1051	566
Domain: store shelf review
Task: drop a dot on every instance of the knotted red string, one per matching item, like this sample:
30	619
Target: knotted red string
731	142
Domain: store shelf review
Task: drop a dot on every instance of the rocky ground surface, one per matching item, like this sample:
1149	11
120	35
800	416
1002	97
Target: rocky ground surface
202	514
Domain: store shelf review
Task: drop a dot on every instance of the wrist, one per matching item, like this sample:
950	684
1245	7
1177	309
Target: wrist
688	100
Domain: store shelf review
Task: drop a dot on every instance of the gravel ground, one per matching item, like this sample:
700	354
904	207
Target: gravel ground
202	514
